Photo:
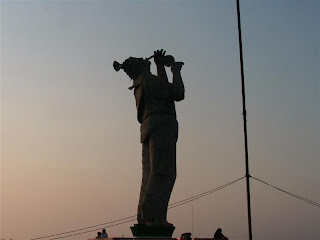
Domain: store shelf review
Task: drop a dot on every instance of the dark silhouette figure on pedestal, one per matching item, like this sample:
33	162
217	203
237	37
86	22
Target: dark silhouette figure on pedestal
155	97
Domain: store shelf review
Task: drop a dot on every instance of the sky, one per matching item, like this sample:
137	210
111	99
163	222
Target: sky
70	151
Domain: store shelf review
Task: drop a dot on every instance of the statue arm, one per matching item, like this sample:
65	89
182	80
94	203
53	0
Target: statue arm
159	56
161	72
161	89
177	81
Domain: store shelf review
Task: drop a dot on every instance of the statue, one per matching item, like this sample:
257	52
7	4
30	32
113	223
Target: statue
155	97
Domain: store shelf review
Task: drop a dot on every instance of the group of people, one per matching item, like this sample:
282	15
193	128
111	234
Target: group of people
185	236
102	234
218	235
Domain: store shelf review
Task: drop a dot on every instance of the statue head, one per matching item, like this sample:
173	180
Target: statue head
133	67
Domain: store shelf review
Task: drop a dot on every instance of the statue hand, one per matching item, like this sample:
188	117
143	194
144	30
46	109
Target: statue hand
176	67
159	57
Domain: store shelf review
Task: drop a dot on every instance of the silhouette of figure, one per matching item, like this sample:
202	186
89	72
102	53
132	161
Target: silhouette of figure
186	236
104	233
218	235
99	235
155	97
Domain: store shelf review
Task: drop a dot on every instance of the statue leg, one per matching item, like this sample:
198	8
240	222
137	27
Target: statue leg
170	154
145	179
162	150
171	178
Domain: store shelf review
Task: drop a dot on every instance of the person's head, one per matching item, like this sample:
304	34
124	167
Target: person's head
104	230
133	67
99	234
219	230
186	235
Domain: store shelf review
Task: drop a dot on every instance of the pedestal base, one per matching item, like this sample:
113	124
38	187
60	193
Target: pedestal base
152	231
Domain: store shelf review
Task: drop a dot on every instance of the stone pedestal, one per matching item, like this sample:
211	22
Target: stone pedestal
152	231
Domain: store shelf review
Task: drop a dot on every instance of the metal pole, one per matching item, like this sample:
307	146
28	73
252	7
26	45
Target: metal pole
244	123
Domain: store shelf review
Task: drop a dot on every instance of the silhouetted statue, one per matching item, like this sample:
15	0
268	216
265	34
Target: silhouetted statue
155	97
218	235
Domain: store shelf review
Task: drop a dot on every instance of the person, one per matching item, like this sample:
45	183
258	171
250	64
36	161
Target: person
186	236
99	235
155	97
104	233
218	235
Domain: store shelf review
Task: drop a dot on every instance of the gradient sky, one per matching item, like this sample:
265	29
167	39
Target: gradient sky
70	151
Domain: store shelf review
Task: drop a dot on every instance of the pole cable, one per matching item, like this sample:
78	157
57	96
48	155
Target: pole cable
80	229
92	230
190	199
290	194
131	218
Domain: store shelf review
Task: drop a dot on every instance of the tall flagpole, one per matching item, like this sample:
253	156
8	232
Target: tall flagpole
244	123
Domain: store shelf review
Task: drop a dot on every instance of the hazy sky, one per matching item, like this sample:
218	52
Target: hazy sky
70	151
